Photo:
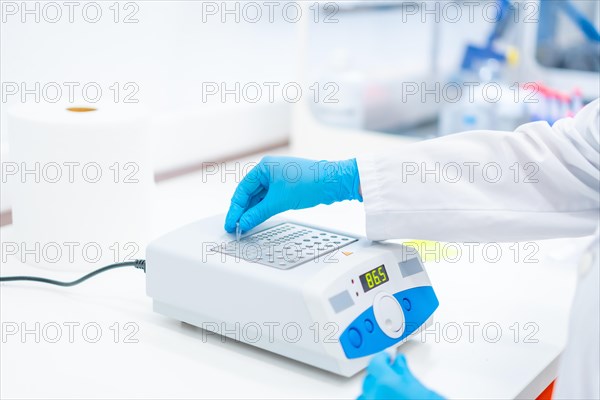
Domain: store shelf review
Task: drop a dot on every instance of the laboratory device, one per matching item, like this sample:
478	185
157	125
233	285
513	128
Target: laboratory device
313	294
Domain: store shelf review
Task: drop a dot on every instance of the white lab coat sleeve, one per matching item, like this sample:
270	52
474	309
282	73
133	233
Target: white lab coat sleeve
537	182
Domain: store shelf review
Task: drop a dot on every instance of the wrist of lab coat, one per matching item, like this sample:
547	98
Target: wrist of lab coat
370	184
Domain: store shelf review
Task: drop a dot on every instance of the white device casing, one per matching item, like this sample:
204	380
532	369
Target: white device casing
284	311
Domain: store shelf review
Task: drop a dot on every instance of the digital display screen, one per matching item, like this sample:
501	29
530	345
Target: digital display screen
374	278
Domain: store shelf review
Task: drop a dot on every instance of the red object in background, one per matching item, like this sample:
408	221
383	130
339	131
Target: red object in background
547	393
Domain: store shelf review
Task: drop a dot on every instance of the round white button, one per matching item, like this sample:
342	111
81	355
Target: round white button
388	314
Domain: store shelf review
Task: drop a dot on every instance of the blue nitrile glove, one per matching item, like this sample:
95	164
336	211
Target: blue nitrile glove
394	380
279	184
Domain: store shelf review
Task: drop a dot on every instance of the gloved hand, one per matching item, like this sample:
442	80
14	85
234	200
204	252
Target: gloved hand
387	380
279	184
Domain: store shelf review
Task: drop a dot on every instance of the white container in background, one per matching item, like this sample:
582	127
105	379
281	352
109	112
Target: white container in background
339	100
81	184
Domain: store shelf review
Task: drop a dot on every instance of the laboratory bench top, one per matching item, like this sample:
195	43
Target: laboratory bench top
498	333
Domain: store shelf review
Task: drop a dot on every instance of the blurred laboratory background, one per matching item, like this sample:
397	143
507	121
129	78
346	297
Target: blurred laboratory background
393	68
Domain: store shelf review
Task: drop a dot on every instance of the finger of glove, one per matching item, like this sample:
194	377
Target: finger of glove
258	214
257	198
380	365
237	210
245	191
400	365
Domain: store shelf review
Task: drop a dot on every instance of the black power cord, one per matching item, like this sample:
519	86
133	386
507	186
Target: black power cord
139	264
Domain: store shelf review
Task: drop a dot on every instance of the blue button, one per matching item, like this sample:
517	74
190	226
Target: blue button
369	325
406	304
355	337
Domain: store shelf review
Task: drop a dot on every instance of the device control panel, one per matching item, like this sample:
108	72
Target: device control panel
382	304
392	318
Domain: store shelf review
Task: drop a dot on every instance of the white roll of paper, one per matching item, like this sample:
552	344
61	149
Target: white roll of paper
81	184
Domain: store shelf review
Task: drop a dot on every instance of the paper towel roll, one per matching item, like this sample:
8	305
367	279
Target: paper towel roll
82	184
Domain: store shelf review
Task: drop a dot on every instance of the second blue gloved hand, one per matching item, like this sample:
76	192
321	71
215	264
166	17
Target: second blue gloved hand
394	380
279	184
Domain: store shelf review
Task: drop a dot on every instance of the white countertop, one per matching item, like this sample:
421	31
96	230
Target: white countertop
172	360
